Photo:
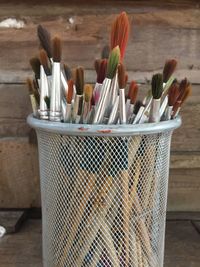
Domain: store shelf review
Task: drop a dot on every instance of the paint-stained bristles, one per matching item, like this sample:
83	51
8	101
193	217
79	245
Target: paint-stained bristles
173	94
113	62
169	69
121	76
102	71
44	61
68	72
45	40
105	52
70	91
88	92
79	80
133	92
35	64
120	33
56	49
157	85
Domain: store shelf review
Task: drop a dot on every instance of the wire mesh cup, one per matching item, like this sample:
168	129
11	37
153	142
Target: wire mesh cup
104	193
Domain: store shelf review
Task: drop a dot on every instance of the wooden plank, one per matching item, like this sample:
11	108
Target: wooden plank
185	159
12	220
183	216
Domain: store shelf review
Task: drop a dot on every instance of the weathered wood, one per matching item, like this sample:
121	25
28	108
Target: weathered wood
183	216
12	220
185	159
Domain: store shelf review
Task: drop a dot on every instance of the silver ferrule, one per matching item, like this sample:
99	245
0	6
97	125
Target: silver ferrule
128	102
101	107
77	104
55	103
163	106
154	115
177	112
168	113
44	91
138	115
63	105
114	89
86	110
91	114
115	112
68	113
34	105
49	80
122	106
130	111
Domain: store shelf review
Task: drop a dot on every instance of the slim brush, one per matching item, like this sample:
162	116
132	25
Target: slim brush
69	97
45	40
105	52
44	62
90	117
68	72
113	62
122	85
100	78
79	81
131	99
120	33
55	107
172	98
35	64
169	68
87	102
157	89
138	112
33	97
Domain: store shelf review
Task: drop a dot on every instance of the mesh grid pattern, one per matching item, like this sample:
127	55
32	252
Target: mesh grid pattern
104	199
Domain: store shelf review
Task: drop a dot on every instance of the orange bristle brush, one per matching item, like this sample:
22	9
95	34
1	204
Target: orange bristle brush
120	33
169	68
173	95
131	99
69	96
122	85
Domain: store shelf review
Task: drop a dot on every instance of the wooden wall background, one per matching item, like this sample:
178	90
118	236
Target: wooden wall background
160	31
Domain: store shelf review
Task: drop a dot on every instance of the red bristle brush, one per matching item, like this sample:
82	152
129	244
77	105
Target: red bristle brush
120	33
172	98
132	96
69	97
101	74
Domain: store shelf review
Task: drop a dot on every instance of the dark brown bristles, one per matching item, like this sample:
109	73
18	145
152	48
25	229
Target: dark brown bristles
187	93
157	85
121	76
105	52
44	61
92	101
173	94
97	64
169	68
47	101
35	64
102	71
56	49
33	90
126	78
137	106
70	91
183	87
68	72
133	92
45	40
79	80
120	33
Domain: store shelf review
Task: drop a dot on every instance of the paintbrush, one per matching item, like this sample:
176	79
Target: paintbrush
44	62
101	74
173	94
157	89
45	42
122	85
137	113
35	64
114	115
33	97
168	70
120	33
78	102
132	96
113	62
68	111
91	114
105	52
55	105
87	102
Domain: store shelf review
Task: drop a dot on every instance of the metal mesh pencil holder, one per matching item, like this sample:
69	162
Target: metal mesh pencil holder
104	193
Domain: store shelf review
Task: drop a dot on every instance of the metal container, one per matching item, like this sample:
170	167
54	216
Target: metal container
104	193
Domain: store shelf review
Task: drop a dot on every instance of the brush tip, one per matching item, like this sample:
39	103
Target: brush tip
45	39
70	91
88	90
35	64
157	85
169	68
113	62
133	92
56	49
79	80
121	76
44	61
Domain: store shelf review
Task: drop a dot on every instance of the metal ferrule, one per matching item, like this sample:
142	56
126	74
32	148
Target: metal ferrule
91	114
128	102
63	105
76	107
44	91
129	111
168	113
138	116
177	112
114	89
154	115
86	110
115	112
101	107
34	105
49	80
122	106
163	106
55	103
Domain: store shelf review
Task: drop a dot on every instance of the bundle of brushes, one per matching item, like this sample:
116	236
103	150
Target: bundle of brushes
62	96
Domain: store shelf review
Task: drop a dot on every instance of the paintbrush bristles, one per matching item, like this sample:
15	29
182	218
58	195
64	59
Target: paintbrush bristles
133	91
70	91
33	89
102	71
113	62
88	92
120	33
79	80
187	93
157	85
121	76
56	49
44	61
97	64
35	64
105	52
137	106
68	72
169	69
45	40
173	94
